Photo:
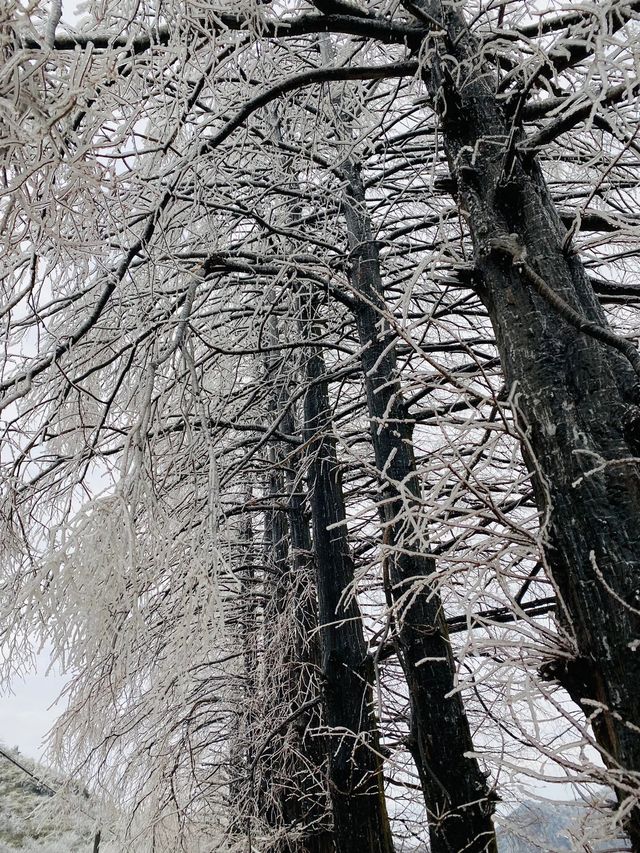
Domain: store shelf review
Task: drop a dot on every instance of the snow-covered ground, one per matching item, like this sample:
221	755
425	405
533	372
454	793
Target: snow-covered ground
36	814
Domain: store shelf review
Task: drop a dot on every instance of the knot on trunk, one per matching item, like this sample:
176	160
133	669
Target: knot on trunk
576	675
631	429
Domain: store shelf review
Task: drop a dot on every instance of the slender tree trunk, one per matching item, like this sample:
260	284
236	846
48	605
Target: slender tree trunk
575	397
241	750
295	802
458	800
293	767
311	809
360	818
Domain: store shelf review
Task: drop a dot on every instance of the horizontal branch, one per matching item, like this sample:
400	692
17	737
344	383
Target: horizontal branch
501	615
484	619
541	108
468	278
574	116
613	288
568	19
387	32
309	78
590	219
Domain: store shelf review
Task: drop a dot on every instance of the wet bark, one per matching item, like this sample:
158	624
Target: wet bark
458	800
575	398
360	818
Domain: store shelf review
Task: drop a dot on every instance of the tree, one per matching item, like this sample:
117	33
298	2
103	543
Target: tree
568	380
172	233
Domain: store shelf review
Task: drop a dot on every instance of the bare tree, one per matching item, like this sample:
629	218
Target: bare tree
141	180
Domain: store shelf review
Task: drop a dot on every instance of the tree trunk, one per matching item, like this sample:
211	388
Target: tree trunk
293	767
361	823
575	398
241	748
311	810
459	803
295	799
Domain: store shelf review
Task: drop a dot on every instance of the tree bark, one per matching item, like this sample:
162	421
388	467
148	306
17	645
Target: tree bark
361	824
294	765
575	398
241	748
312	810
458	800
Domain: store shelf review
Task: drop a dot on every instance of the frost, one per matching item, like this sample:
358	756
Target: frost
216	216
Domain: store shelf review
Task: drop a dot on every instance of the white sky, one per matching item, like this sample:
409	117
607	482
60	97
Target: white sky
27	715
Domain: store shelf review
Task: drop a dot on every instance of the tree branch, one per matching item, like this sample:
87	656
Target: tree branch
384	31
308	78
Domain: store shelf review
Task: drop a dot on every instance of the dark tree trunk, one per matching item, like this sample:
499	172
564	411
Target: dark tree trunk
295	801
576	398
360	818
311	810
241	748
458	800
294	766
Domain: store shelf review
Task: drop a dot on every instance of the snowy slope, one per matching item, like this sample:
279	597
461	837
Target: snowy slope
32	818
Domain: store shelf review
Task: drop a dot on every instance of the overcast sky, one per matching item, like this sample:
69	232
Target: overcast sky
27	715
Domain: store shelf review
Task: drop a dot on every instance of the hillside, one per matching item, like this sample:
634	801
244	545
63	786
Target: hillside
33	818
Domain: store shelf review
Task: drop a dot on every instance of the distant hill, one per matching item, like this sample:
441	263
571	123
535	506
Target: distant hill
543	827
